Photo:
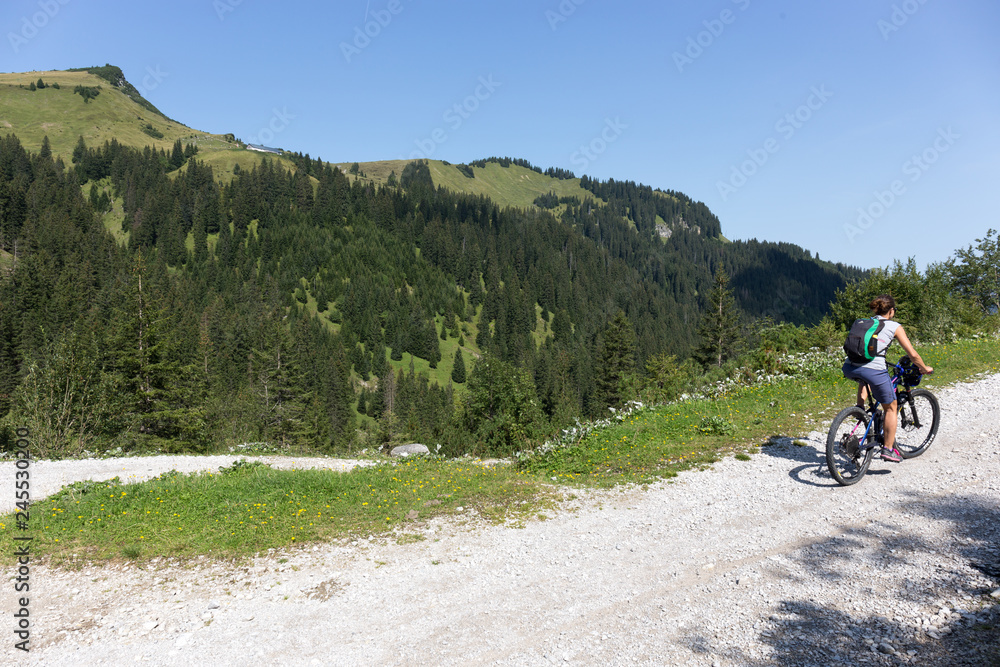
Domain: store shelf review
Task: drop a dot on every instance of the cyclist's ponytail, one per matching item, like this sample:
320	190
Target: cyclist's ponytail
882	304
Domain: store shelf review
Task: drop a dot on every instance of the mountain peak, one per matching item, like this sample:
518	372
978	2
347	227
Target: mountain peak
116	77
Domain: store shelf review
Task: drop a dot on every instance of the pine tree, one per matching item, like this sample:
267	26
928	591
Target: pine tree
80	151
719	330
616	361
200	240
458	369
177	156
279	385
562	328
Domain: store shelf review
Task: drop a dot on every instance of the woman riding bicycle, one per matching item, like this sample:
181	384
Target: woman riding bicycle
876	373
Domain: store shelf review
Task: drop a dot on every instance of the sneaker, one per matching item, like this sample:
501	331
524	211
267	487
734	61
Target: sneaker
891	455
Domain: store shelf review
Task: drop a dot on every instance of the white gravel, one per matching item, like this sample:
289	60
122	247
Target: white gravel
761	562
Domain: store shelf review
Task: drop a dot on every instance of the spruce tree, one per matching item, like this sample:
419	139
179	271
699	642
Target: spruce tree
616	361
458	369
719	331
200	240
177	155
80	151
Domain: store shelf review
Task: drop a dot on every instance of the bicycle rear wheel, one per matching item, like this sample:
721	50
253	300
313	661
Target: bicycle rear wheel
849	446
919	418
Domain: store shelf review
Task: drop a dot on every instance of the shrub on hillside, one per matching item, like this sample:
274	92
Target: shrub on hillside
87	92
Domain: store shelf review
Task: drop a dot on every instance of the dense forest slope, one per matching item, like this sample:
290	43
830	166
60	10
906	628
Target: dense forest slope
192	293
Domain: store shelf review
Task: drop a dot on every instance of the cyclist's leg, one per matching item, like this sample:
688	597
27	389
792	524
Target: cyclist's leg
862	394
891	415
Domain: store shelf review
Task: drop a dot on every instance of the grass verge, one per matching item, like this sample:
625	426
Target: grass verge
659	442
250	508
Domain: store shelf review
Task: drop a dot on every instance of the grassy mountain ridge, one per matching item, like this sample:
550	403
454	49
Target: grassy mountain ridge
117	112
116	77
514	186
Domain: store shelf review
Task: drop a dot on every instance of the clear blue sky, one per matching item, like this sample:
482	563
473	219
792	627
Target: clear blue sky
785	118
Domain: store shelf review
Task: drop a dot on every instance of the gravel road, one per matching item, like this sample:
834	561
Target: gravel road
760	562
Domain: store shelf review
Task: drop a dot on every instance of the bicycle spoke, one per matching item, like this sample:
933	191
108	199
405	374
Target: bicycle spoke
848	449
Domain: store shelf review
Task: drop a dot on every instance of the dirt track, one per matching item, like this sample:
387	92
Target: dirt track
764	562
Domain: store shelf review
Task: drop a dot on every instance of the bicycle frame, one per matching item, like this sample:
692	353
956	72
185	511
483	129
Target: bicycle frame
875	408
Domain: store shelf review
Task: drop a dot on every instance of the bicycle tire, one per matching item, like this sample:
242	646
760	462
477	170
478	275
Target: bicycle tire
847	455
913	432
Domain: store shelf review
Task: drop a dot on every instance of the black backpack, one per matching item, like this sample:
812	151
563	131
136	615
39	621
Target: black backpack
861	345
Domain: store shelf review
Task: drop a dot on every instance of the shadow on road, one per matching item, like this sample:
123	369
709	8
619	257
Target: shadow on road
812	456
912	575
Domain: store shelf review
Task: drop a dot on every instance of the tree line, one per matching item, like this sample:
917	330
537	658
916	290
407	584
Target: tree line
288	306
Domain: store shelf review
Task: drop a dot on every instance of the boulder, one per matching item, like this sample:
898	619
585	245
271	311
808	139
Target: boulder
407	450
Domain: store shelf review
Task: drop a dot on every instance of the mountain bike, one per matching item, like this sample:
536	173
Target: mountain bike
856	433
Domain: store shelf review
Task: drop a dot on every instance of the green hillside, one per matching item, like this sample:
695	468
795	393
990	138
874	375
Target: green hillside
514	186
63	116
508	186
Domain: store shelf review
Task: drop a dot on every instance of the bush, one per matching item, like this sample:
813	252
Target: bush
152	131
501	408
927	305
716	425
87	92
666	379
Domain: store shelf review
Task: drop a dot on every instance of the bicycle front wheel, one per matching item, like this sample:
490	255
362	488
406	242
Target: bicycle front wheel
919	418
849	446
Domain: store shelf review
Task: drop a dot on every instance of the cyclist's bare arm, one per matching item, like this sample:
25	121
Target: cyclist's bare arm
904	341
